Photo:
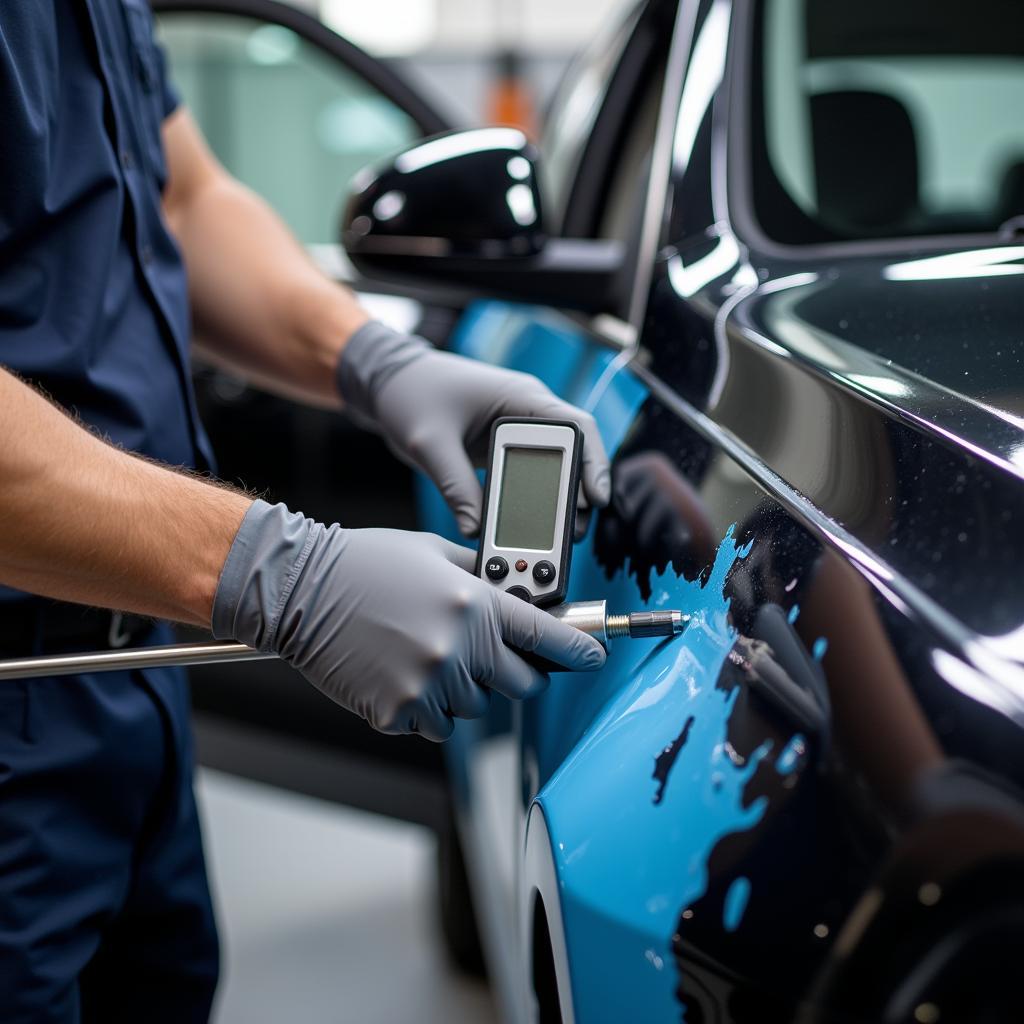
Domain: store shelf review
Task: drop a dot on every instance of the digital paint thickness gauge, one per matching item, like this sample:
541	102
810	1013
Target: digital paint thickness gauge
530	508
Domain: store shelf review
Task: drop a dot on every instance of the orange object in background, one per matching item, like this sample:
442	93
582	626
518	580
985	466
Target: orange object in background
510	99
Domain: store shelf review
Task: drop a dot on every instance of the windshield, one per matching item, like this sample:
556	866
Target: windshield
887	118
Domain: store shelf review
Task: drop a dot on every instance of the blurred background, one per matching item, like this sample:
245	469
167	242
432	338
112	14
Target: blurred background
475	61
329	910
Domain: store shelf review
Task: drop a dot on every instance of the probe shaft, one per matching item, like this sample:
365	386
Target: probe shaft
128	658
589	616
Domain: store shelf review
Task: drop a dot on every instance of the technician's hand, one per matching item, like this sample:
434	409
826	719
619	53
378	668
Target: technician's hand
389	624
436	409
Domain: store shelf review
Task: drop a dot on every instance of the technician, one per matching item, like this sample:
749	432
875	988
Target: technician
107	194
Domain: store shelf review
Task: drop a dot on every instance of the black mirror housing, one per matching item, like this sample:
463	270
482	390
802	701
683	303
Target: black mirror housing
460	194
464	209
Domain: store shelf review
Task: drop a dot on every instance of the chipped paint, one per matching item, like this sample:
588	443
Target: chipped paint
631	853
627	864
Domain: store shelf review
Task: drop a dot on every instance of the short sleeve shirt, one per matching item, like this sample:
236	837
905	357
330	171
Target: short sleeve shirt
93	293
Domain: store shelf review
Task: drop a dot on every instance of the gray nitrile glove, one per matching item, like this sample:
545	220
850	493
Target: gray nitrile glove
436	410
389	624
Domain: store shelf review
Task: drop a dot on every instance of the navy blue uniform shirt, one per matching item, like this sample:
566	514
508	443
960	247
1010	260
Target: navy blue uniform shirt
93	298
93	301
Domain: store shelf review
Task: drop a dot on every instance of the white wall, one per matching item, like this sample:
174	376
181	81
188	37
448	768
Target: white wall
473	26
535	26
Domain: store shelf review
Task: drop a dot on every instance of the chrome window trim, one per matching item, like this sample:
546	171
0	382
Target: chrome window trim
661	161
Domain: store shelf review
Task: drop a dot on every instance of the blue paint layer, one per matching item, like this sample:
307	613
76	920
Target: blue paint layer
627	866
736	899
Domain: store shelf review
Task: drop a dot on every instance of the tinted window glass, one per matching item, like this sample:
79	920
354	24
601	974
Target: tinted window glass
574	110
883	118
283	117
625	188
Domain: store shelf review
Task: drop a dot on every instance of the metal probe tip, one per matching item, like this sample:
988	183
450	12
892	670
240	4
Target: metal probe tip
646	624
592	617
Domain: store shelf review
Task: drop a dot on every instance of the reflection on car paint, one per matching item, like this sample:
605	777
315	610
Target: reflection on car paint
644	884
664	762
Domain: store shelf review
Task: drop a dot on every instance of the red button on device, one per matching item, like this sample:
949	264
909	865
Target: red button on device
522	565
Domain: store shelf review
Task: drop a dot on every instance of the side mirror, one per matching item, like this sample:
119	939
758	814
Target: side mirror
464	209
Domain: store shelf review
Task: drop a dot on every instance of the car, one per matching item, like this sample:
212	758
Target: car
775	248
780	265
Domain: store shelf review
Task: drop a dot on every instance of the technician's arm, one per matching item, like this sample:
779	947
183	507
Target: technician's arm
262	306
259	304
390	625
83	521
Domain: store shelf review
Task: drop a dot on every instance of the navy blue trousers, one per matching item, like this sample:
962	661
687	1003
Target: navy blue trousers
105	913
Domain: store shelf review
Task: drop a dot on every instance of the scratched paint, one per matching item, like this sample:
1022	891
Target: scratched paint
736	899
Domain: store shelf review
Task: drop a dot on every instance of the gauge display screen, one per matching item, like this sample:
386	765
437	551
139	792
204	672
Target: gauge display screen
528	502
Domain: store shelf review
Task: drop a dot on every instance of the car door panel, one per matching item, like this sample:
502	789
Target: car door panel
755	821
637	768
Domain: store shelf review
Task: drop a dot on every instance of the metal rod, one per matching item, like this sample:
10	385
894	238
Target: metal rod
589	616
134	657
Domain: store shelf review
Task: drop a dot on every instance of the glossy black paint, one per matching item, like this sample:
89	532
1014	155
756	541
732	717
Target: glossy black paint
859	415
460	194
465	208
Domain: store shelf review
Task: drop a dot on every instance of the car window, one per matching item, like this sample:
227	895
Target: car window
285	118
574	110
887	119
625	189
604	185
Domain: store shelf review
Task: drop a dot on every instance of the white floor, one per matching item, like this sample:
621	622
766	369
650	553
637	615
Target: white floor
326	914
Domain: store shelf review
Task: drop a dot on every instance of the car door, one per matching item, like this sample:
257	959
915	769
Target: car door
294	111
756	822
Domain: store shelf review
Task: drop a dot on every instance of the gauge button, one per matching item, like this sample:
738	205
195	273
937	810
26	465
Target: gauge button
522	565
544	572
496	568
522	593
